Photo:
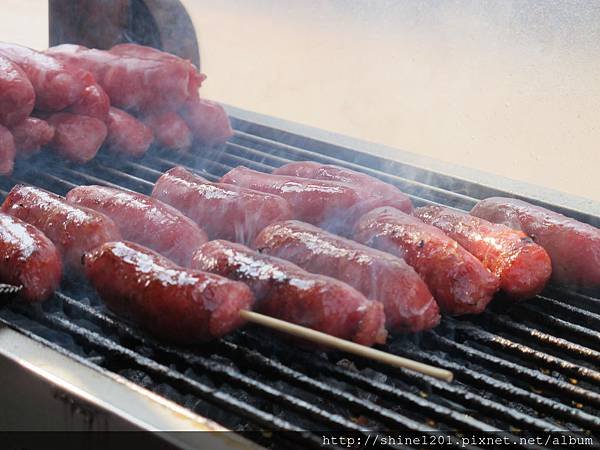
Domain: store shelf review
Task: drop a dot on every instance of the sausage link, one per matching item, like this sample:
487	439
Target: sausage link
31	135
77	138
126	134
17	96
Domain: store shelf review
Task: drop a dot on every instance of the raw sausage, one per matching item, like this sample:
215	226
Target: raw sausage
170	130
126	134
17	96
30	135
7	151
76	137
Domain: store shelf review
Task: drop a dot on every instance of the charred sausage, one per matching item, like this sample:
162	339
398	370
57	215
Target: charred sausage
144	220
73	230
522	266
286	291
17	96
76	137
377	189
573	246
457	280
181	305
55	86
224	211
29	259
409	306
30	135
126	134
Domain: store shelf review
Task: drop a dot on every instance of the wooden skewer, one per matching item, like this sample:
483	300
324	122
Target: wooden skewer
346	346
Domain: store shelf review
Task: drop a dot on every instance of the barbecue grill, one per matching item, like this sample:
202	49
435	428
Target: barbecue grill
69	364
525	369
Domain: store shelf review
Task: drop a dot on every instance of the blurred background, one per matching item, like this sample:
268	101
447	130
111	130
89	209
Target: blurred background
510	87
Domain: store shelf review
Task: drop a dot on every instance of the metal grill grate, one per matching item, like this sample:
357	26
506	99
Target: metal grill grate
530	367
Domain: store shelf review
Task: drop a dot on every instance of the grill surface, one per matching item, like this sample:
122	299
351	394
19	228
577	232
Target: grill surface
530	367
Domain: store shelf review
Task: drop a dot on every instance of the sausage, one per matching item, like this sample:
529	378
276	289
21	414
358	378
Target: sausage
409	306
7	151
371	186
177	304
207	120
224	211
144	220
126	134
522	266
285	291
29	259
30	135
54	85
573	246
73	230
77	138
17	96
170	130
331	205
141	51
93	102
142	85
457	280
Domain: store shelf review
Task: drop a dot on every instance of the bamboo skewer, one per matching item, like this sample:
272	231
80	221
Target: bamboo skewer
346	346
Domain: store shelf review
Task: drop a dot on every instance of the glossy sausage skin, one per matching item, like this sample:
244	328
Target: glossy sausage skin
573	246
409	306
522	266
144	220
224	211
55	86
17	96
457	280
207	121
7	151
31	135
170	130
76	137
73	230
285	291
29	259
93	102
331	205
173	303
127	135
138	84
372	187
142	51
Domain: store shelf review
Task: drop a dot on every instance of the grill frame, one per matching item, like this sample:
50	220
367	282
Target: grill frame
411	172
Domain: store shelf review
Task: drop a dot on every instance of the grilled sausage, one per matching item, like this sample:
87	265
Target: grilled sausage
457	280
285	291
7	151
181	305
143	85
170	130
372	187
17	96
29	259
144	220
522	266
30	135
142	51
331	205
73	230
93	102
573	246
77	138
126	134
55	86
409	306
207	121
222	210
